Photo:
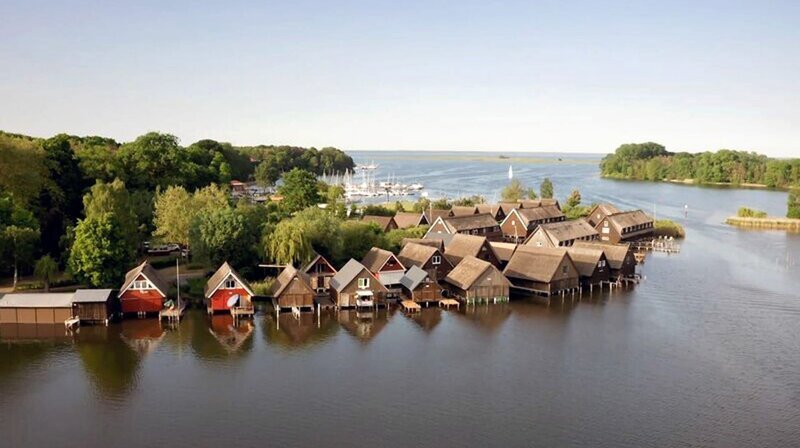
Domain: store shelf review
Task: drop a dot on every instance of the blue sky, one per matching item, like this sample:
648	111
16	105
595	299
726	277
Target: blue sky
505	76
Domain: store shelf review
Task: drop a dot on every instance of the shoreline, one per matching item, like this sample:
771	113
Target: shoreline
694	183
768	223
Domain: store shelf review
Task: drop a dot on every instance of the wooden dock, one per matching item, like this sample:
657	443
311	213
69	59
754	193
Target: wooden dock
72	322
242	312
447	303
410	306
173	314
665	245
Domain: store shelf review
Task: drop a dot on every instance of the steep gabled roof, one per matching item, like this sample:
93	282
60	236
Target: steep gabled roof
221	275
384	222
631	218
585	259
432	215
146	270
491	209
376	258
539	264
615	253
413	277
470	222
465	246
433	242
466	272
348	273
605	208
566	230
405	220
286	277
413	254
541	213
314	261
459	210
504	251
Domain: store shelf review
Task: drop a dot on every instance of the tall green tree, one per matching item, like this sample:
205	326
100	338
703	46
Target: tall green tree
176	209
219	235
23	172
574	198
97	256
46	270
299	190
20	243
113	198
546	189
513	192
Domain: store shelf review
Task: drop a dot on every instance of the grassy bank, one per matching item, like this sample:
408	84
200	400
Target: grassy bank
768	223
667	228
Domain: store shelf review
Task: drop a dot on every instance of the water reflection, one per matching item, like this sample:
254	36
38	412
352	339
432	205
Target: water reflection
35	332
111	356
487	317
363	325
427	319
305	330
219	337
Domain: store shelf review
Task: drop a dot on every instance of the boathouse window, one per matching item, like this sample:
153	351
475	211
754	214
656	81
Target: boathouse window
601	264
363	283
230	283
141	284
564	269
437	259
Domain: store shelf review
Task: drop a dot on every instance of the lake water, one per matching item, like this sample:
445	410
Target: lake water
704	352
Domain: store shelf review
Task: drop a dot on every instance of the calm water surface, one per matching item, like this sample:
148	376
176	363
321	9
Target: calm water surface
705	352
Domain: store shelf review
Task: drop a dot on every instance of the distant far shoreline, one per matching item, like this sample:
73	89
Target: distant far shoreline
467	156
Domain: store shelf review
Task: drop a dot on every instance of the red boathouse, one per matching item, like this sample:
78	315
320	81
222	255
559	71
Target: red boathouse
224	284
144	291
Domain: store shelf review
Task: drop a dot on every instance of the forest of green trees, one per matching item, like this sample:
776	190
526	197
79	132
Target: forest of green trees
87	204
651	161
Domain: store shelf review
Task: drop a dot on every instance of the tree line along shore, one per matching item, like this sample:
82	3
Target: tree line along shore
652	162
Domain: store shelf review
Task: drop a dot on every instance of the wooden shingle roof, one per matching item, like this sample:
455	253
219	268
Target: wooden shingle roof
286	277
220	275
504	251
470	222
615	253
433	215
459	210
431	241
413	254
628	219
585	259
462	246
314	261
405	220
376	258
150	274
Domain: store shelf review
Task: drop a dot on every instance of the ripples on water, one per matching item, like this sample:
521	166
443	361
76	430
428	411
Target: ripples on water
705	352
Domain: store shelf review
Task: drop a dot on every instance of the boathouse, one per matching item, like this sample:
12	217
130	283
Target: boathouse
355	286
405	220
625	226
461	246
431	215
561	234
292	289
36	308
540	270
223	286
464	210
493	209
621	259
427	257
144	291
385	223
417	285
320	272
433	242
482	224
503	251
592	265
96	305
600	211
522	222
474	280
386	268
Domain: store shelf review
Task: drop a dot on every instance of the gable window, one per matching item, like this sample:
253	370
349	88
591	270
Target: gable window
141	284
363	283
436	259
564	269
230	283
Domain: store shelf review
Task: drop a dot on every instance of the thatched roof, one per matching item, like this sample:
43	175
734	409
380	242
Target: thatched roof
491	209
504	251
566	230
432	215
467	272
615	253
463	246
150	274
441	238
376	258
605	208
286	277
433	242
384	222
538	264
315	260
585	259
414	254
221	275
629	219
405	220
463	210
469	222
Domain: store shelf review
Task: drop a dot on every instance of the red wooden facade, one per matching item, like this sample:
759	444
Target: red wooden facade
144	300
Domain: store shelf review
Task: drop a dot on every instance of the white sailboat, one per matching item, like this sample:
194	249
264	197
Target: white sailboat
510	173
